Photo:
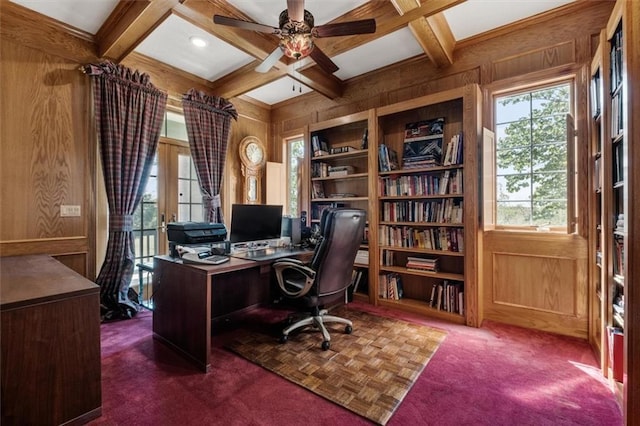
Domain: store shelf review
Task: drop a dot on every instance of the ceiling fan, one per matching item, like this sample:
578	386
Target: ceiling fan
297	31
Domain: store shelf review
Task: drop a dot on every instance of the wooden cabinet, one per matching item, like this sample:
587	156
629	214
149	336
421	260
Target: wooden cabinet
425	221
51	371
340	170
615	226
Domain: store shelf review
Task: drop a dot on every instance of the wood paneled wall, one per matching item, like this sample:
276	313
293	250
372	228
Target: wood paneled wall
48	148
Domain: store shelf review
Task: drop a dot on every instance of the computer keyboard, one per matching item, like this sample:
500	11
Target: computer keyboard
204	259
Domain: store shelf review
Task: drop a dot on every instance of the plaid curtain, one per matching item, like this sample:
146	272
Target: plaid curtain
208	120
129	112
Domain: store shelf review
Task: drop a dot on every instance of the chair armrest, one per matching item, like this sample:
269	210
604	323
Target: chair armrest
283	265
289	260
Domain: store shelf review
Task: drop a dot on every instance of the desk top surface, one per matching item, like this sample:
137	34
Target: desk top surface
27	280
239	263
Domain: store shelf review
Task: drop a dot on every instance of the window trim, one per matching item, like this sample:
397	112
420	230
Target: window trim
536	81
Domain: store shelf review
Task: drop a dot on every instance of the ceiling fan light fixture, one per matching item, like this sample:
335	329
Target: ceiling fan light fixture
296	46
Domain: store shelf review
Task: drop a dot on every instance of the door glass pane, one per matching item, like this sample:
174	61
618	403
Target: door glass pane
145	233
189	196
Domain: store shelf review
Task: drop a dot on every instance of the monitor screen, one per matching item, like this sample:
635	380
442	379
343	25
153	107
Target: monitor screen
255	222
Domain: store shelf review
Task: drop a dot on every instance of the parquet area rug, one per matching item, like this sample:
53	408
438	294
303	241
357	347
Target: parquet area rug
368	372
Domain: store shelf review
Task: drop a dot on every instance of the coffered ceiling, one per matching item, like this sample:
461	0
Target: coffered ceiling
163	30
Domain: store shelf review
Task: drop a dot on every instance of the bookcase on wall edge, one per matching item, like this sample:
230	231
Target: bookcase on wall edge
598	294
615	155
425	231
339	165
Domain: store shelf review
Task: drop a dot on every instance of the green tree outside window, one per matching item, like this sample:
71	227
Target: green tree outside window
531	157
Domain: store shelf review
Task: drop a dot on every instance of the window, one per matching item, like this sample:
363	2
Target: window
533	158
295	161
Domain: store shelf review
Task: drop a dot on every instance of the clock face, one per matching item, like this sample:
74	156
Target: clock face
254	152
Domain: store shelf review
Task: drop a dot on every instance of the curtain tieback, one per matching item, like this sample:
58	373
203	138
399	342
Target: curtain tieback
210	202
121	223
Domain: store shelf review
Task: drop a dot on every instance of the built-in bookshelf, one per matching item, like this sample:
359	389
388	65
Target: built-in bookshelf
598	294
614	142
339	177
614	214
426	211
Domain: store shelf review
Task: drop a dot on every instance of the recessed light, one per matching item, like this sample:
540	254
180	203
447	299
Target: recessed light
197	41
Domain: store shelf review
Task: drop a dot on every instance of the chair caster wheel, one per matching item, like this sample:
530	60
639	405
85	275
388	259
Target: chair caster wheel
326	345
283	338
348	329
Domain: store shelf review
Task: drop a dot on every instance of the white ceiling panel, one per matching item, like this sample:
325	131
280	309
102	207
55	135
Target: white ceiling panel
491	14
381	52
278	91
169	43
84	15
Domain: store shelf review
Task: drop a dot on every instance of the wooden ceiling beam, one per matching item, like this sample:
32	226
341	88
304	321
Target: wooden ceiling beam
129	23
387	21
432	33
244	80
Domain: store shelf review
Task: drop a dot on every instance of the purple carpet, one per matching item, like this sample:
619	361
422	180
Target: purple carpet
495	375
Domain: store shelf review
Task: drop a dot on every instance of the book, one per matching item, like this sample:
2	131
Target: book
387	158
428	151
424	129
341	149
317	190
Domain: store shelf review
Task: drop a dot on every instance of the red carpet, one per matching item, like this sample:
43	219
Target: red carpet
495	375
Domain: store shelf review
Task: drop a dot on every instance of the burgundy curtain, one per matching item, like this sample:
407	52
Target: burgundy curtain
129	112
208	120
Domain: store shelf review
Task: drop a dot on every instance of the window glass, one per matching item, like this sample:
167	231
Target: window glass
532	157
295	162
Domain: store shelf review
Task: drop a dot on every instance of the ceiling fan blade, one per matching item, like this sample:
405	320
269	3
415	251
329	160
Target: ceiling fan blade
270	60
295	9
245	25
323	60
364	26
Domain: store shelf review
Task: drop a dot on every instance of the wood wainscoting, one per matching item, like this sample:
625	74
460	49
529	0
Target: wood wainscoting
536	280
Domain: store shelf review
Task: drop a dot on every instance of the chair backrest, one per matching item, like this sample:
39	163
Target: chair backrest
341	231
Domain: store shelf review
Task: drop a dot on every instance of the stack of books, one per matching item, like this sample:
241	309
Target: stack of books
362	257
422	145
336	171
423	265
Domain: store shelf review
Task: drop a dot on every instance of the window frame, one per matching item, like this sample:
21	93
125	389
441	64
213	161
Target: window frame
510	88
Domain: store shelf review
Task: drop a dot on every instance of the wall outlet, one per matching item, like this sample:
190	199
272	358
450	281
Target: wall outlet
69	211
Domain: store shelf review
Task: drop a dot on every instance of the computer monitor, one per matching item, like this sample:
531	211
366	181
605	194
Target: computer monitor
255	222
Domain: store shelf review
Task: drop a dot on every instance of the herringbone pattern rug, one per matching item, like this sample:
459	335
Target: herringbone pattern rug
369	371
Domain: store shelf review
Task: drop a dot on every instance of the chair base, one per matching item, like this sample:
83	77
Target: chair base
318	321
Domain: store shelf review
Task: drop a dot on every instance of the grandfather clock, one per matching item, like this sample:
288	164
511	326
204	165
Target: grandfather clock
253	158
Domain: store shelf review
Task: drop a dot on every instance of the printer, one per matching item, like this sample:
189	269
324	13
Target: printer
195	234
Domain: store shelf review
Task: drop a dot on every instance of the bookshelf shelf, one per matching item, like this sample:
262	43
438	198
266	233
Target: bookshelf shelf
422	308
403	270
423	251
351	176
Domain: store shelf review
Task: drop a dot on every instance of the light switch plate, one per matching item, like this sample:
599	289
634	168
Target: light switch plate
69	211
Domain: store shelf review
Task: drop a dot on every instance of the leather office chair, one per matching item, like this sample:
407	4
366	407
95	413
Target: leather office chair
324	280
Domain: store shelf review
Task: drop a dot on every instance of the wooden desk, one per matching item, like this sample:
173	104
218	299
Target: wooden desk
50	343
188	298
